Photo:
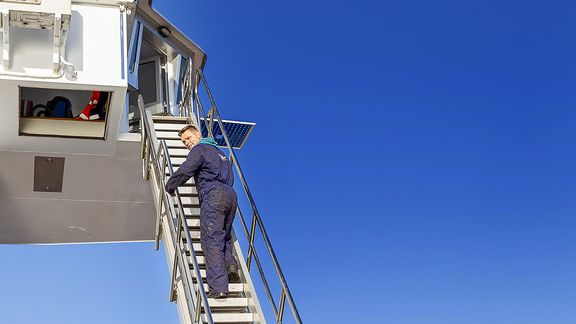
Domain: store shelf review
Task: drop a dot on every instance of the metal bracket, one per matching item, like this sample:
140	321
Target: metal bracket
174	294
126	6
57	41
6	39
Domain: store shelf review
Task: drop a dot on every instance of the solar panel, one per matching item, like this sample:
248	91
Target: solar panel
237	132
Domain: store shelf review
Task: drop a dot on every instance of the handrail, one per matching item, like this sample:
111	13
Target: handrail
285	293
149	154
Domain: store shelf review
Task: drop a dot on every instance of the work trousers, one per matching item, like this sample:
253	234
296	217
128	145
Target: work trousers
217	211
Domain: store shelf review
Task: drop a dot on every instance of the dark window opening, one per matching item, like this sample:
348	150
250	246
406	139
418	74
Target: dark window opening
64	113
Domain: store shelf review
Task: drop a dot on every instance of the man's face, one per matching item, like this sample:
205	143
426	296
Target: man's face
190	138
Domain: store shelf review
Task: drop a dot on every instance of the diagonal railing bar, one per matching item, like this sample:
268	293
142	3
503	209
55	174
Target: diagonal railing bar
152	159
215	115
265	283
242	221
282	303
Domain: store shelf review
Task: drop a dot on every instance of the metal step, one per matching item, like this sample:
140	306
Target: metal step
178	151
190	200
172	135
169	119
192	210
200	258
193	222
189	187
230	302
175	144
231	318
202	272
233	287
195	235
168	127
188	204
197	247
177	160
188	190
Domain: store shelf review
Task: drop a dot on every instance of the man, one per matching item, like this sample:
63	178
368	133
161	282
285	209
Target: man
212	172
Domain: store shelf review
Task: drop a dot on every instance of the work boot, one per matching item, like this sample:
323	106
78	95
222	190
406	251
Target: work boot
233	276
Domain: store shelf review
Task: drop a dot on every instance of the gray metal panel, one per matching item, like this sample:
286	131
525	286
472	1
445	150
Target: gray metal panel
103	199
52	221
48	173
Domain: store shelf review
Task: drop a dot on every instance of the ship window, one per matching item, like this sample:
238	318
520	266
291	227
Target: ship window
150	84
149	89
63	113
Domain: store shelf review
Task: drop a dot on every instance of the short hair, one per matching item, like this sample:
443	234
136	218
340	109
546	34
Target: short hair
187	128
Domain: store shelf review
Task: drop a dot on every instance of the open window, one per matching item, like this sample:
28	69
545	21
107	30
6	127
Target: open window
150	84
63	113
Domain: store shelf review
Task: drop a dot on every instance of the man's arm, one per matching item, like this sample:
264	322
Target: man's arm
186	170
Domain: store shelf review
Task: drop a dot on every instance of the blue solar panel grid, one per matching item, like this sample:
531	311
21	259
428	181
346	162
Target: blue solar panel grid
237	132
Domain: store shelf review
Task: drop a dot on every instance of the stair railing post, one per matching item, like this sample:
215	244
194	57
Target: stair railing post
183	92
241	217
251	242
195	98
146	158
142	140
281	310
265	283
159	219
211	122
198	306
161	190
177	251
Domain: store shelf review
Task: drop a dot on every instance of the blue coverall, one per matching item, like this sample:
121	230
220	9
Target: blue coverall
212	172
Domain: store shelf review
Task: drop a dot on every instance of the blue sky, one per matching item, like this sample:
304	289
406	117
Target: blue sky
414	163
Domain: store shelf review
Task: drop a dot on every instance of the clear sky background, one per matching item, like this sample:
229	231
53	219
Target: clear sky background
414	163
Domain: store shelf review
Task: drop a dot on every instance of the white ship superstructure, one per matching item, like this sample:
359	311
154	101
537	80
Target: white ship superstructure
93	95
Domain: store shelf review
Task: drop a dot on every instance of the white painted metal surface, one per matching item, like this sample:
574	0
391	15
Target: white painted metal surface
68	46
104	197
95	49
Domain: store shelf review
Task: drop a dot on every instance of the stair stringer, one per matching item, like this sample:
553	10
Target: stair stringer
249	290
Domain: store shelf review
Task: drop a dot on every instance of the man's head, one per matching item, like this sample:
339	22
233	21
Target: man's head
190	136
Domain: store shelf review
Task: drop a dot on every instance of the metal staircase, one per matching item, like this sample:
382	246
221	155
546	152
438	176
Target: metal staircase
240	307
178	226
